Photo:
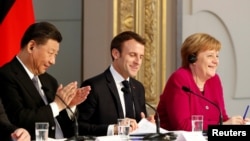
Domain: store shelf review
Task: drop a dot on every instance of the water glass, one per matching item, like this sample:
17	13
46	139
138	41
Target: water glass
42	130
123	128
197	123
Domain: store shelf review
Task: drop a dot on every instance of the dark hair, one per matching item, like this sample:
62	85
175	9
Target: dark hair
119	39
40	33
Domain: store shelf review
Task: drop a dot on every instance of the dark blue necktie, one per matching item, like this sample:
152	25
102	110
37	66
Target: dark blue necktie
128	99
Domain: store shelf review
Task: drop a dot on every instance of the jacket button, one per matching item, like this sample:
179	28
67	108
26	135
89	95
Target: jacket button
53	127
207	107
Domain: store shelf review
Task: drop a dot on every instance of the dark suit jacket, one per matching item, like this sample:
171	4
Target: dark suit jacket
23	103
103	106
6	128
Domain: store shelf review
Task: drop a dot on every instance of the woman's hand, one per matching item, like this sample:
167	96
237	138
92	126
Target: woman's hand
236	120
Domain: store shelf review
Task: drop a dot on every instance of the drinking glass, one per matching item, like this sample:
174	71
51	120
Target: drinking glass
123	128
42	130
197	123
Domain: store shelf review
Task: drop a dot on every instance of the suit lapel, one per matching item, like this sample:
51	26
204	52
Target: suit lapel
25	81
114	92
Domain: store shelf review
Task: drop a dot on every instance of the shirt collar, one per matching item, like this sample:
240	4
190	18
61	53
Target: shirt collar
31	75
117	77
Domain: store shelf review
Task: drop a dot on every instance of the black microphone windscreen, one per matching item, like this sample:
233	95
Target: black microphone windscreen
186	89
45	89
125	90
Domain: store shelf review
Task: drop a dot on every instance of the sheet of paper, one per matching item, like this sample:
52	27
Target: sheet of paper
51	139
108	138
145	127
190	136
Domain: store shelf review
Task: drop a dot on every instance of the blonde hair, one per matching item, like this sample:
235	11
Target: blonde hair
196	43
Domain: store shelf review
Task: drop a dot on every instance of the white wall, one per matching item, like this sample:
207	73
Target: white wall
98	33
228	21
67	17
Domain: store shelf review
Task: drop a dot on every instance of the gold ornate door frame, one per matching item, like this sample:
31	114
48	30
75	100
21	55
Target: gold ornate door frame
147	18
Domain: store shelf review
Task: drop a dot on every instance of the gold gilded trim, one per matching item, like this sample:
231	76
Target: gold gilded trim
147	18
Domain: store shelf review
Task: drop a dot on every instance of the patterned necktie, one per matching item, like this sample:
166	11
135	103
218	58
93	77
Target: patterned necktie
58	133
35	81
128	99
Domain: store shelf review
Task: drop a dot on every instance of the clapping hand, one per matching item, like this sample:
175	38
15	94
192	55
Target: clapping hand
71	95
80	96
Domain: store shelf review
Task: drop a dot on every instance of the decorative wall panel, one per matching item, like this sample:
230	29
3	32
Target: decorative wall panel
148	18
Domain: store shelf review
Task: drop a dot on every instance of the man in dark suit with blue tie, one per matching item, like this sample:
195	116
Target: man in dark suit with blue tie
26	102
106	102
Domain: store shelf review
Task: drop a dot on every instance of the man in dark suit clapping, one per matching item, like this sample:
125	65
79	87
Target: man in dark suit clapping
29	94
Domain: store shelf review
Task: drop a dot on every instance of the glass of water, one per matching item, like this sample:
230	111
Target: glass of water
123	128
42	130
197	123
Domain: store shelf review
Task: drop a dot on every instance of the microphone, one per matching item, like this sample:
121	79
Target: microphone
159	136
186	89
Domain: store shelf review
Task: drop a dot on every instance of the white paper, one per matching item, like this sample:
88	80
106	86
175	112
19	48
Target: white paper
108	138
145	126
51	139
189	136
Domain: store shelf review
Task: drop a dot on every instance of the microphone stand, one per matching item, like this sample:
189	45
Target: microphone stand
159	136
76	137
186	89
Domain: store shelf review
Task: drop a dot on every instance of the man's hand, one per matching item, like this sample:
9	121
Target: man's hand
20	134
81	95
150	118
133	125
64	95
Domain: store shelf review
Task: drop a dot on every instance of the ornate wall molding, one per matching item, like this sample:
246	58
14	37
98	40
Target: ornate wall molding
148	18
